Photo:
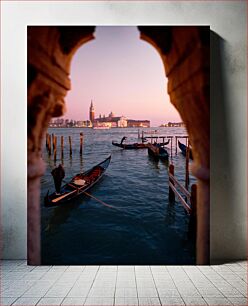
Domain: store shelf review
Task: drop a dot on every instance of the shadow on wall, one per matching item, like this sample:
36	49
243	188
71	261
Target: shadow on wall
225	237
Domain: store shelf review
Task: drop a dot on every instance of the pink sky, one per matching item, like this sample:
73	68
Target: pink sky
120	73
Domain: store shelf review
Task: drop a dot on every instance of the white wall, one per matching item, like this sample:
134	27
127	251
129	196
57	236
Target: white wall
228	105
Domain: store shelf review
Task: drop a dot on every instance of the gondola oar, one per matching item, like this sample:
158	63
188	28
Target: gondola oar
91	196
100	201
63	196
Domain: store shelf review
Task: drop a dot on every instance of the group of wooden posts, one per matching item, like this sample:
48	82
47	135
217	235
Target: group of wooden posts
188	199
51	145
189	202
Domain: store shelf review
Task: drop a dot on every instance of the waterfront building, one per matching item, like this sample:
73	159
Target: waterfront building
173	124
111	121
116	121
122	122
138	123
84	123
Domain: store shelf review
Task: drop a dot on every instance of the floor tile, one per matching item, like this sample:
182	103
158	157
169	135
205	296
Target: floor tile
103	283
164	292
58	268
27	301
210	292
189	292
239	301
143	282
108	268
58	291
149	301
38	290
99	301
75	269
167	301
194	301
79	291
73	301
126	292
126	283
165	284
102	292
217	301
229	291
50	301
147	292
121	301
126	274
4	301
125	269
42	269
13	292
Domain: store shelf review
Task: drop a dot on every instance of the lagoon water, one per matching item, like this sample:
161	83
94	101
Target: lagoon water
144	229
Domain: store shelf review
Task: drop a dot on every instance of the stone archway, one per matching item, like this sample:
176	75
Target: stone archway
185	55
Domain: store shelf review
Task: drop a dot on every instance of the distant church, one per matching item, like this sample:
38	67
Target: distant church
112	121
92	113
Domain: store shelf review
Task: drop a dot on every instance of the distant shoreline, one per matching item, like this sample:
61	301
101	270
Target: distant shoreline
83	127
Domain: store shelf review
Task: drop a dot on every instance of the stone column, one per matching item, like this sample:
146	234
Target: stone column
186	57
50	50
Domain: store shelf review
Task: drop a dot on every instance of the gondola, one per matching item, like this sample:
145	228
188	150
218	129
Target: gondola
77	185
135	146
183	148
157	152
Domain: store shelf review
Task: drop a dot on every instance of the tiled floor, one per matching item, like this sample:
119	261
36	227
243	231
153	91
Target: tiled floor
123	285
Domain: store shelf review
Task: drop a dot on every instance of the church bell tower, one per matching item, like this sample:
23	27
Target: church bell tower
92	113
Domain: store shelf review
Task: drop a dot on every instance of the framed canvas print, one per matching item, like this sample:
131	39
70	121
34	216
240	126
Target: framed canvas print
118	145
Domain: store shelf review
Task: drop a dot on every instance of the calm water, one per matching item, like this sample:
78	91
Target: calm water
143	229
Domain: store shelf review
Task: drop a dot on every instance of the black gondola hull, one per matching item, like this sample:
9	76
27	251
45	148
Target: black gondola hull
183	149
157	152
136	146
72	189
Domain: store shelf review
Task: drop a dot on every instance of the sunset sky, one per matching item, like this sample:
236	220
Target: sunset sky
120	73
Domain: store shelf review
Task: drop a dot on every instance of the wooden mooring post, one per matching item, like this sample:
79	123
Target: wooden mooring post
62	146
47	135
49	145
53	140
175	186
55	148
171	145
187	168
70	146
81	143
171	192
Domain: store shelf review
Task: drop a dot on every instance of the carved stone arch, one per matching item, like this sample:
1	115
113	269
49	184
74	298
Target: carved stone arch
185	55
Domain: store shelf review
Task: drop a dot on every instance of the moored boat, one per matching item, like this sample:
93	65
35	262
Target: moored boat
135	146
157	152
77	185
183	148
